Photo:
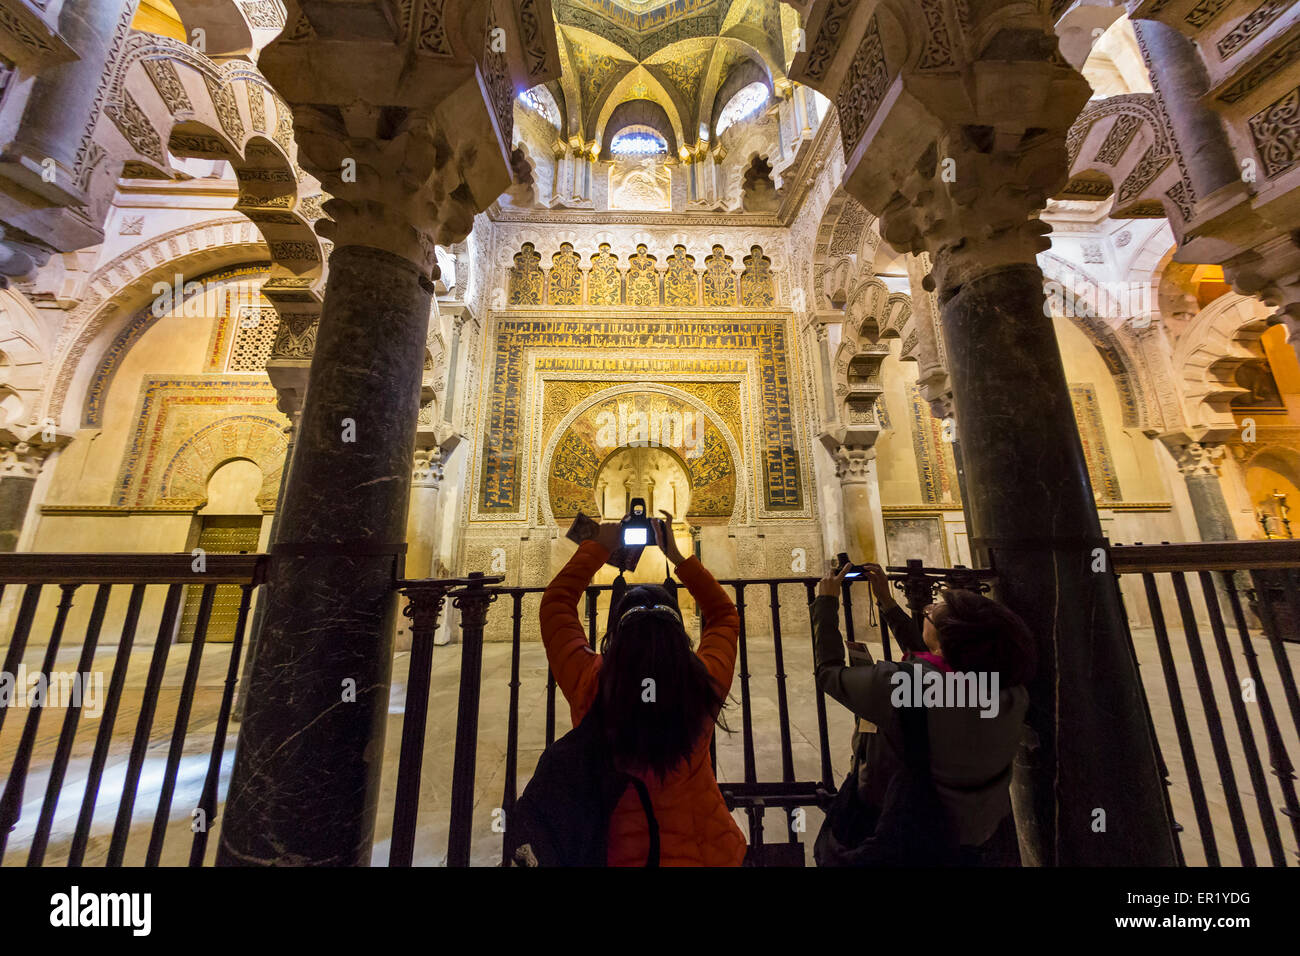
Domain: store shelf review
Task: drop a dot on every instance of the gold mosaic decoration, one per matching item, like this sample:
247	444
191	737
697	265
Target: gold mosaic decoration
642	280
604	281
719	280
679	428
526	278
757	286
643	285
681	285
564	284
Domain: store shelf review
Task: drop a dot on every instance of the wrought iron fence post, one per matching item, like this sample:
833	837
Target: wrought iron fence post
423	608
473	603
917	588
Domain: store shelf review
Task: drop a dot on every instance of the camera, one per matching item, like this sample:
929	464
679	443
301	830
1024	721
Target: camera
637	530
855	570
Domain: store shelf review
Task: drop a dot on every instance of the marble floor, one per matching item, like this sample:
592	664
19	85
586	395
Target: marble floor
430	847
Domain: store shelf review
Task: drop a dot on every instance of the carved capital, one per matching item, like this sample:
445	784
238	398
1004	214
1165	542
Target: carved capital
972	202
427	470
399	189
853	463
1195	459
23	459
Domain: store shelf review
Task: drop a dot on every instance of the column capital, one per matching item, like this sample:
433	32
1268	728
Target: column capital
405	112
400	190
24	458
853	463
1194	458
433	446
427	469
970	135
972	202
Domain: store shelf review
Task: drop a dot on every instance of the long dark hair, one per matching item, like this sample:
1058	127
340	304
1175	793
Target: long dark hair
653	726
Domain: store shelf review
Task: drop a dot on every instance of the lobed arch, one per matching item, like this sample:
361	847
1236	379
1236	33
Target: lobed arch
24	362
232	29
165	98
846	234
1119	149
1221	338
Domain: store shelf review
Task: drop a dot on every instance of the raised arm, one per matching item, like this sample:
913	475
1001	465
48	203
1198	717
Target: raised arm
573	662
862	688
721	620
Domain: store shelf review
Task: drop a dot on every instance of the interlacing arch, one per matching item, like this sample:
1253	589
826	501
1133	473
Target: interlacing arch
231	29
165	98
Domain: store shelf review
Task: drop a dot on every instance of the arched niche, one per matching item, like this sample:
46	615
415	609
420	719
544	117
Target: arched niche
603	425
1272	477
234	488
188	473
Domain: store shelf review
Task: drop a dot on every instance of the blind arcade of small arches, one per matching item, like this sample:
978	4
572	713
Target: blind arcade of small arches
641	283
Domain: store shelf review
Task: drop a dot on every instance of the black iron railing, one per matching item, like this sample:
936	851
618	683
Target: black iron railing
754	794
1258	582
156	584
1243	595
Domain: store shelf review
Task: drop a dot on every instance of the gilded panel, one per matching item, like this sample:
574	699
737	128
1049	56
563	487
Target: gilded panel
681	285
778	458
526	279
719	281
642	419
564	284
757	288
604	282
642	280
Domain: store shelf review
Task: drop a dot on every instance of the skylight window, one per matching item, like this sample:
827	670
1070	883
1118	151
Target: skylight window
638	141
540	101
747	101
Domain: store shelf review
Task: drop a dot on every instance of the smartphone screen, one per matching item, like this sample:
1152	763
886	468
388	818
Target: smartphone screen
635	537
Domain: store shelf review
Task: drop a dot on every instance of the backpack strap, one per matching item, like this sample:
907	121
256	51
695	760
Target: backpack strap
652	859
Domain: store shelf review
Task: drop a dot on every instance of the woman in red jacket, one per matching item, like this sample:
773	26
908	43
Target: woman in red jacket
658	731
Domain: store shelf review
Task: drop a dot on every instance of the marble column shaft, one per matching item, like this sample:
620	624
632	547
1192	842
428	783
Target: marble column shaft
306	778
15	496
1213	520
1031	503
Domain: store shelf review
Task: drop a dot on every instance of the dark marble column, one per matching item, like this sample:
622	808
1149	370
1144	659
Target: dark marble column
15	496
1211	510
1198	463
306	776
1032	512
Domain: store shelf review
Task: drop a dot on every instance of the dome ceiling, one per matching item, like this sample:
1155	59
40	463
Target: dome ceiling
679	54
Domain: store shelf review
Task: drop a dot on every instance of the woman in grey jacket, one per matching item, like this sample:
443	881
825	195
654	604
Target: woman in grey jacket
967	665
